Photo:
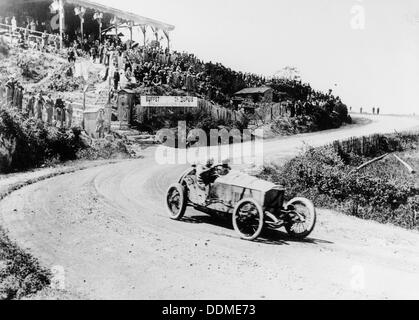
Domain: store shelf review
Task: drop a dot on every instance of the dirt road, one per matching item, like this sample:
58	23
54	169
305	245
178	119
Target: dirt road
107	229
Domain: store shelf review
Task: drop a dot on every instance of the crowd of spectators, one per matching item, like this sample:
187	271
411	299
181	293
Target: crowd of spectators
53	112
148	66
11	92
129	65
40	106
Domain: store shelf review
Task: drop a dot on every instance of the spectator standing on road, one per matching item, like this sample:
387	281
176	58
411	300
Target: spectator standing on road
44	40
19	96
71	55
39	102
100	123
116	78
49	109
59	107
10	90
69	113
30	111
14	24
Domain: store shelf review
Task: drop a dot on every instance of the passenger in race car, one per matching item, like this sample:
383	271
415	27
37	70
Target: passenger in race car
206	175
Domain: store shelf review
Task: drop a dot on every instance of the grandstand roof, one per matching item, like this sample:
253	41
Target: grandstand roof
260	90
137	19
125	15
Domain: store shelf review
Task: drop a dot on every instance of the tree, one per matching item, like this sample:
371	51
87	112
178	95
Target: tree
288	73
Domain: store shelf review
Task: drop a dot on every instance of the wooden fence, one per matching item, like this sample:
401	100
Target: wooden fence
33	35
220	113
268	112
373	145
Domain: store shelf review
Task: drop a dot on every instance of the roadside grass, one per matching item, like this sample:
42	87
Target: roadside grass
384	191
20	273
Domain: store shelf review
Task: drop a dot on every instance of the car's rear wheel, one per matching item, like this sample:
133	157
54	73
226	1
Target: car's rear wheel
176	201
304	221
248	219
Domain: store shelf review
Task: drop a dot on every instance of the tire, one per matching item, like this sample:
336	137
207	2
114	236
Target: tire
248	230
301	230
176	201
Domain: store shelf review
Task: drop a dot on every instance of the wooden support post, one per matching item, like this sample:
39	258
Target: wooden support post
371	162
405	164
81	28
100	30
131	24
61	21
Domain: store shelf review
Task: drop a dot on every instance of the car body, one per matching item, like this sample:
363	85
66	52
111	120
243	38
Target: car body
253	204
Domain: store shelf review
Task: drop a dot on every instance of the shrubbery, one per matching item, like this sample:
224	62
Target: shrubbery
63	80
353	150
318	120
33	67
20	273
373	193
27	143
104	149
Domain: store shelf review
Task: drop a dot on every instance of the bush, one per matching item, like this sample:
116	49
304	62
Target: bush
104	149
322	175
354	149
63	80
319	119
33	67
20	273
29	142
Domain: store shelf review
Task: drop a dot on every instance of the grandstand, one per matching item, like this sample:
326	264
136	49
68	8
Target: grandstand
153	69
71	16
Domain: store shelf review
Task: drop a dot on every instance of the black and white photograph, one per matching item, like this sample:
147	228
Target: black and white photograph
209	150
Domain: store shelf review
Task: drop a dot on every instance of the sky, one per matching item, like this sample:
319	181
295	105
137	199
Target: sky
367	51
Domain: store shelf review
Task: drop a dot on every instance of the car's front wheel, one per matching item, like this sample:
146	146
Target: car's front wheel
248	219
176	201
305	218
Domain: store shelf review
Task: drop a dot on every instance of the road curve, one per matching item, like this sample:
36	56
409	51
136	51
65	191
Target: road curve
107	228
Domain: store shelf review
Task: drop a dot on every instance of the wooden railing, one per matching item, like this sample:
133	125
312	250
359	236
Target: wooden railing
220	113
33	34
374	145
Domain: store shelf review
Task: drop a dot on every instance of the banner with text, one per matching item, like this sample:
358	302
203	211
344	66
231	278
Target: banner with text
169	101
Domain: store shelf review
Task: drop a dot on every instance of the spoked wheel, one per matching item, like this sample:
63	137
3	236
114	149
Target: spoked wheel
176	201
305	218
248	219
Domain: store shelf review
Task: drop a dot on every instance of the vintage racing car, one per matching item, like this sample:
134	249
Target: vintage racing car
254	204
